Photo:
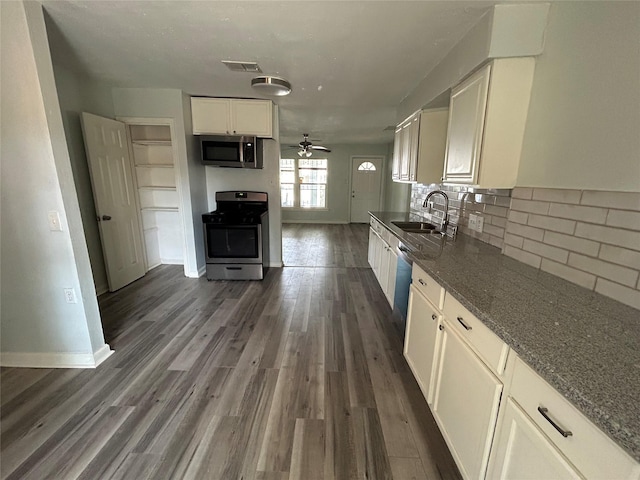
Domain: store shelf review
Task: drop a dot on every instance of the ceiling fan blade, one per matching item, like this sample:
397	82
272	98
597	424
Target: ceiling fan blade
320	147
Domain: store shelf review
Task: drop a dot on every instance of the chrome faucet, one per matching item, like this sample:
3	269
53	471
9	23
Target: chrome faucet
445	219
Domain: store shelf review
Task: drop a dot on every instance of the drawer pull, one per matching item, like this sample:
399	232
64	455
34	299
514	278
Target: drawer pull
545	413
466	327
422	282
434	317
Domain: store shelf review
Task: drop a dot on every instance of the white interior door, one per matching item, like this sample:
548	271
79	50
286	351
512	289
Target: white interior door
114	196
366	175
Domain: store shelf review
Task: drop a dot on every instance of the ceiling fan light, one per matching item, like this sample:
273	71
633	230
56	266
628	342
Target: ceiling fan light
300	152
270	85
308	153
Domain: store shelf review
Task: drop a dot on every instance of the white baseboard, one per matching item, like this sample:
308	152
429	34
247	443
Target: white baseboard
328	222
55	360
102	354
276	265
171	261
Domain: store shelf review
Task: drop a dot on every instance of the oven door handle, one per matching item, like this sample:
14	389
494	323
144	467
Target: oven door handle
233	268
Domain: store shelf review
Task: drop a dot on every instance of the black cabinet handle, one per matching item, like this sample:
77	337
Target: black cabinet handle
434	317
545	413
233	268
441	327
466	327
422	282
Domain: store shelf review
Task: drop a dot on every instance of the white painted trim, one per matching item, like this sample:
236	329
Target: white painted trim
55	360
330	222
201	271
276	265
171	261
102	289
102	354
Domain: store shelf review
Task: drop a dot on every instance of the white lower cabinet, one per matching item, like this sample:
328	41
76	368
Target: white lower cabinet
500	419
559	429
383	259
422	343
521	451
466	402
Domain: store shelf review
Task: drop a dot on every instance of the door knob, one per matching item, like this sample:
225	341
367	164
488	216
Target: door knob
106	217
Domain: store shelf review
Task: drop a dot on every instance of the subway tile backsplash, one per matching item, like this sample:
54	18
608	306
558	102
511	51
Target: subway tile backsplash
591	238
492	205
588	237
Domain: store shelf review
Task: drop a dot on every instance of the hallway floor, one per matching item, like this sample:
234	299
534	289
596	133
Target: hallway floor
299	376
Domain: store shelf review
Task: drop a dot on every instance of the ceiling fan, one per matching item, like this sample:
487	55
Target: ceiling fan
306	148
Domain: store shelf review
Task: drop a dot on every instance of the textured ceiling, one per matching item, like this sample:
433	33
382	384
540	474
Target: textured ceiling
350	63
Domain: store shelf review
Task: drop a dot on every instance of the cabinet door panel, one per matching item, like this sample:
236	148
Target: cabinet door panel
211	115
391	276
522	451
466	123
405	151
251	117
371	254
384	266
397	142
466	404
421	341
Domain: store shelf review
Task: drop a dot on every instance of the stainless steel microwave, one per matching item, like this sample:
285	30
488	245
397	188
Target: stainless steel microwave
231	151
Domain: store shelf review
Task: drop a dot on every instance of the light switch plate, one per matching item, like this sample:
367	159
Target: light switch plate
54	221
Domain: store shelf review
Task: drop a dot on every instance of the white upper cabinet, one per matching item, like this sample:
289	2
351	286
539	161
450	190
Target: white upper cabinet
419	147
231	116
406	149
487	117
431	145
466	123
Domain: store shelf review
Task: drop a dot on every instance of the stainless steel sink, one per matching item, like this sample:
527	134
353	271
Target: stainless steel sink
417	227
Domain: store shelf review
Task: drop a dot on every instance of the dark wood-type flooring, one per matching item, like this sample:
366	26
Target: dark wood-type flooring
311	245
300	376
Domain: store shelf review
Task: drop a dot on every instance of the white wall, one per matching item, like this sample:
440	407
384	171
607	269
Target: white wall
583	128
38	327
339	183
504	31
169	103
266	179
78	94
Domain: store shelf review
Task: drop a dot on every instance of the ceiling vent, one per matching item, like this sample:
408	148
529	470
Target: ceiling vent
236	66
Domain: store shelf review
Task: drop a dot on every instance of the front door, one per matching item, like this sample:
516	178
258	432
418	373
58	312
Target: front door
366	175
114	196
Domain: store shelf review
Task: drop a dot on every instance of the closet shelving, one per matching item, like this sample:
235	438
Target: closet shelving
157	193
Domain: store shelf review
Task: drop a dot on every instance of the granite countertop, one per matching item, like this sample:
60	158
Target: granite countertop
584	344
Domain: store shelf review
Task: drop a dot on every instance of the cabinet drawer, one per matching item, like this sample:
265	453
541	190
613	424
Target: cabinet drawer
390	238
485	343
427	286
593	453
375	225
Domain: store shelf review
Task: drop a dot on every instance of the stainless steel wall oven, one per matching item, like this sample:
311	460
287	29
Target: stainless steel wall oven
237	236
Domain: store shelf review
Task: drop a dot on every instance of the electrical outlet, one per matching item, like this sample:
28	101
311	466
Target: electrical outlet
70	295
476	222
54	221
